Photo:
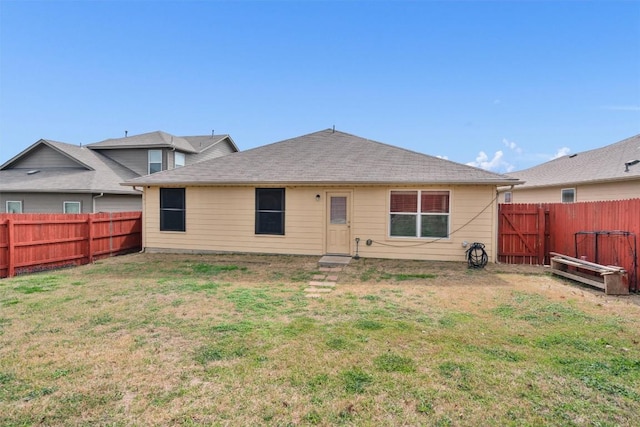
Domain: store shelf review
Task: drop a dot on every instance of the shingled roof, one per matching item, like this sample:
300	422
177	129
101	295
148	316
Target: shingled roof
611	163
94	172
157	139
325	157
160	139
202	143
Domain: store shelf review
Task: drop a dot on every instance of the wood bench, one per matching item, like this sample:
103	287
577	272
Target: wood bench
611	278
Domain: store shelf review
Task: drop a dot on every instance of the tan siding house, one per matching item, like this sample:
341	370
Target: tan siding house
608	173
323	193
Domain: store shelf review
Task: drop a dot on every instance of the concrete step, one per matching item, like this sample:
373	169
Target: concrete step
333	261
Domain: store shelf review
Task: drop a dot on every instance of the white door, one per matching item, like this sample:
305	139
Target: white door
338	223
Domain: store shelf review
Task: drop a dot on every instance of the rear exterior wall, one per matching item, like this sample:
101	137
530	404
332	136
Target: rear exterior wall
53	202
222	219
46	202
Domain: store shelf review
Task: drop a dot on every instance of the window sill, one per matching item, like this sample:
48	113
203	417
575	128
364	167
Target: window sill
418	239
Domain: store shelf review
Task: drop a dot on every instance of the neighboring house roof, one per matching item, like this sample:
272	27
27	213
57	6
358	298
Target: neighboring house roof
329	157
159	139
94	172
614	162
206	142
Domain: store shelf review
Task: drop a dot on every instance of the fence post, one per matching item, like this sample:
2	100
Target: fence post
110	233
11	269
90	236
541	234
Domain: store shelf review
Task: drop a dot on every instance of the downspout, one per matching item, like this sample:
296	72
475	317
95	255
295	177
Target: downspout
94	202
494	234
142	230
173	149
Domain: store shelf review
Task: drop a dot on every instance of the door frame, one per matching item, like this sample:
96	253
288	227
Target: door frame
327	219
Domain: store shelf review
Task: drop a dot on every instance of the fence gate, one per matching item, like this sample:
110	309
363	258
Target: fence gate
523	234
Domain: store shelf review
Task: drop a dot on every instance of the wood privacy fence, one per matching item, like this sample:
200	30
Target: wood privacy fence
34	242
601	232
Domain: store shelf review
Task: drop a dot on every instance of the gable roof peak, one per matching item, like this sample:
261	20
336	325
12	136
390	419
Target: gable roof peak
202	143
63	148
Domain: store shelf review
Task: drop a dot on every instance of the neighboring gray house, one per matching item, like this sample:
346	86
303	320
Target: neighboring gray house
608	173
56	177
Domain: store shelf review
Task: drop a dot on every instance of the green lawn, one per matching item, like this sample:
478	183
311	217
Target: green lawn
233	340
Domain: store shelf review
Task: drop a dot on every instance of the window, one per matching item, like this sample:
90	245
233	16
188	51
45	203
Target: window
568	195
172	209
155	161
508	196
14	206
71	207
270	211
178	159
419	214
338	210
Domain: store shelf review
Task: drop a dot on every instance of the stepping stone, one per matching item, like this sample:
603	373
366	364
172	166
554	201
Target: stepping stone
319	290
313	296
332	278
331	269
323	284
319	277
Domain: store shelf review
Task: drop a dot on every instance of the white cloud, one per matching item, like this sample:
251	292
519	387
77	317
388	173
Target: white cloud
496	164
443	157
511	145
561	152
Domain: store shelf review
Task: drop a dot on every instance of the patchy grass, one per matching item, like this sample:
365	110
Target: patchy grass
405	276
231	340
394	363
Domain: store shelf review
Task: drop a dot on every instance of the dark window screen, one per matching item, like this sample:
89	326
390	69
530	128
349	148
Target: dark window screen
172	209
270	211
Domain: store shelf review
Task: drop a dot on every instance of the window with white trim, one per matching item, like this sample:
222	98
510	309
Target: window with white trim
419	213
71	207
14	206
155	161
508	196
568	195
178	159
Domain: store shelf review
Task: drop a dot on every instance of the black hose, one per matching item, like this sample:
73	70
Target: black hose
477	256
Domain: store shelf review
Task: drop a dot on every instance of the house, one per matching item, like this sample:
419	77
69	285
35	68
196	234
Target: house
327	192
56	177
607	173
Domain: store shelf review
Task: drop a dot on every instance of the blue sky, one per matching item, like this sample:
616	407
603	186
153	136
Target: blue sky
504	85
